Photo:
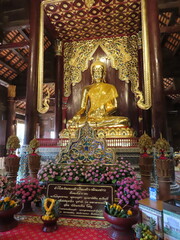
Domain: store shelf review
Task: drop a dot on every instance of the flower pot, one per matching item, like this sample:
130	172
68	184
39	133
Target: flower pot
7	221
121	228
146	166
11	164
49	225
34	164
26	207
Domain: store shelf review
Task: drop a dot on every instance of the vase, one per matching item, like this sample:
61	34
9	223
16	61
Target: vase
7	221
49	225
11	164
146	166
34	164
26	207
121	228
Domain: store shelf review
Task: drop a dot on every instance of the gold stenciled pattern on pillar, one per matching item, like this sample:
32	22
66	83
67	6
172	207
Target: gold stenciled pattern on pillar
122	51
12	91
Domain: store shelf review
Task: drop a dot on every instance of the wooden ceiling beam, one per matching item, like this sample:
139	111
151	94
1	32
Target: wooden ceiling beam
16	52
24	34
4	83
169	5
20	111
17	45
176	49
170	92
8	67
170	29
18	25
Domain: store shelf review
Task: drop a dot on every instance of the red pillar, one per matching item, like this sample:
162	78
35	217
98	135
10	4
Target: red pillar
159	118
58	89
31	87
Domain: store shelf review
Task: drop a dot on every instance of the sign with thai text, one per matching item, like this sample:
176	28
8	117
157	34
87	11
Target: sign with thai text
81	200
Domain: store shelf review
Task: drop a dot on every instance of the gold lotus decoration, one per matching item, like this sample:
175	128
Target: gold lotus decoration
145	143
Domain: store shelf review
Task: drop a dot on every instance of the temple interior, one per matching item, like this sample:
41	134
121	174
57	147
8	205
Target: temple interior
92	80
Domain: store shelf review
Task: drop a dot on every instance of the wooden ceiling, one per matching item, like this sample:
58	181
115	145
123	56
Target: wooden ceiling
108	18
73	20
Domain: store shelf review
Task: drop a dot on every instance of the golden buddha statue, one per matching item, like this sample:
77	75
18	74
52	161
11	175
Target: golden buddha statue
102	99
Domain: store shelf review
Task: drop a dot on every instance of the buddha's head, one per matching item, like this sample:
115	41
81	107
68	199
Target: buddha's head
98	71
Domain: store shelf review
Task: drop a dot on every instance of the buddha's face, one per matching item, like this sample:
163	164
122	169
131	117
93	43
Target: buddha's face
98	72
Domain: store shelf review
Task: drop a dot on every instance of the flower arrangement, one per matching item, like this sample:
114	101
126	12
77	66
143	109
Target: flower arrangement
50	208
117	210
28	189
143	231
145	144
6	187
73	172
96	173
100	172
49	172
162	147
7	203
130	191
12	144
33	145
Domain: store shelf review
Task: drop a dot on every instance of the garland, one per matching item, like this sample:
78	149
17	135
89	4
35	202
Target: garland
48	210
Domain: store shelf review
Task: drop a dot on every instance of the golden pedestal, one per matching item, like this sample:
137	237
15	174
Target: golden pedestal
101	132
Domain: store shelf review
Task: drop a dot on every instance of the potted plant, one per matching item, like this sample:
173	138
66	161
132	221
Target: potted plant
12	160
145	160
33	158
164	167
8	207
50	208
143	231
122	218
27	190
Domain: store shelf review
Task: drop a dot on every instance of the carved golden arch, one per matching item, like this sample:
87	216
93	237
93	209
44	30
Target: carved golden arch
122	52
144	102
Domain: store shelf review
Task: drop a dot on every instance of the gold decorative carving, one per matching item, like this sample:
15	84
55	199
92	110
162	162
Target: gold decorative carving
12	91
89	3
123	53
42	104
102	132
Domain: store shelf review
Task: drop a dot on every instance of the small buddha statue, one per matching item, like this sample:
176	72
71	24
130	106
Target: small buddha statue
102	99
